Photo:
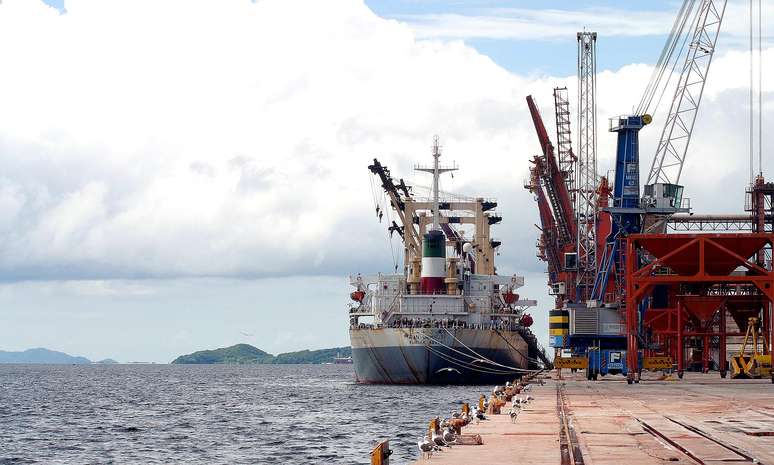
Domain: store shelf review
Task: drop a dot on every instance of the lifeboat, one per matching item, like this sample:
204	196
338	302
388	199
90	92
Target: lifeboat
509	297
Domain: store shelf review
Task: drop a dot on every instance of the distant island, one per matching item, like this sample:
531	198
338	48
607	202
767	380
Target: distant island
247	354
41	355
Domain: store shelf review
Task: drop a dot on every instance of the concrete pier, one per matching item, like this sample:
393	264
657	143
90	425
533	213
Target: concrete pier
700	419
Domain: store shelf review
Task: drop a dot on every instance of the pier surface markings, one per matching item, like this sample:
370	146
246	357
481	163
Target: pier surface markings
701	419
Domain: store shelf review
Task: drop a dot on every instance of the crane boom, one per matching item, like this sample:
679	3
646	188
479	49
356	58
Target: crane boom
547	246
556	189
676	135
567	158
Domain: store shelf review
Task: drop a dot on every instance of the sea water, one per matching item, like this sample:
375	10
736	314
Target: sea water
210	414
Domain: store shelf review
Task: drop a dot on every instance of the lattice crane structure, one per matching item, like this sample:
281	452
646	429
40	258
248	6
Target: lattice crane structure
588	180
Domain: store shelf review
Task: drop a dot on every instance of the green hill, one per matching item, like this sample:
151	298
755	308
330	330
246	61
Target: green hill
313	356
247	354
238	354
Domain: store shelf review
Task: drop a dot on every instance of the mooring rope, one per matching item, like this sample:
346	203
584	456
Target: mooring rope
469	366
531	359
478	356
484	358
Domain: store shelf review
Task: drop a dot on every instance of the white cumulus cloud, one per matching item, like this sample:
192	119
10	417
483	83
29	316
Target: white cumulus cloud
188	138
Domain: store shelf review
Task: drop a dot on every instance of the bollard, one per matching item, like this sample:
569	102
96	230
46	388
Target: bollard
381	453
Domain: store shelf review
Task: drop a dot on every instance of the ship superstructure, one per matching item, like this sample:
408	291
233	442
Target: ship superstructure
448	318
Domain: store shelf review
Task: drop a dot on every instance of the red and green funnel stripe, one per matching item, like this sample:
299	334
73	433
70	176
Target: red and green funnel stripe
433	263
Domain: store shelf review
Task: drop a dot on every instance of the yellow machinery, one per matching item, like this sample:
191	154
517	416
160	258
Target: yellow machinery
755	364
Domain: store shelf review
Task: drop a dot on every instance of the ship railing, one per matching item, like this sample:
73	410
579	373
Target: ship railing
361	310
441	304
414	323
419	323
390	310
444	196
364	326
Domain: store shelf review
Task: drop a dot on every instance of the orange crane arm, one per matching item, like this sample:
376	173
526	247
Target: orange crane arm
556	189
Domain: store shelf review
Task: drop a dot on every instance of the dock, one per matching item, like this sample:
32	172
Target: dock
700	419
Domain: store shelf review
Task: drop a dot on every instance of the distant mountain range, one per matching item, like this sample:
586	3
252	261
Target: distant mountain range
238	354
41	355
247	354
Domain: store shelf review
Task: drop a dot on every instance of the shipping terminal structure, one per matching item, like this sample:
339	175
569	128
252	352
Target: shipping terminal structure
640	281
448	318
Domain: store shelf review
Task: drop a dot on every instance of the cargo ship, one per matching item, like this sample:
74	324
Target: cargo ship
448	318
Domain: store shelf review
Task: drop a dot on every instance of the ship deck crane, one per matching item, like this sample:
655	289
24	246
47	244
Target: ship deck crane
398	195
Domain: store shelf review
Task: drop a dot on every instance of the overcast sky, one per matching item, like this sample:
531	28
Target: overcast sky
190	174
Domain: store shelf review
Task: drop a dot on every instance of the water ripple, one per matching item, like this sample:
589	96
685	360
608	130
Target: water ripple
159	414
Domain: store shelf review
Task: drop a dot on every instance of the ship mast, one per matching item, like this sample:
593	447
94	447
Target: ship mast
436	175
436	171
433	271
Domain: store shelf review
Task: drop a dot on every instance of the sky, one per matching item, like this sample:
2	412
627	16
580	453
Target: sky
191	174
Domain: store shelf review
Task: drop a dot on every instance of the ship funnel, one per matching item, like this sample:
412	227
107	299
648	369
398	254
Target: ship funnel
433	263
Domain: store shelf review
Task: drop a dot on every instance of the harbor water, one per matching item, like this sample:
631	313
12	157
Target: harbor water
213	414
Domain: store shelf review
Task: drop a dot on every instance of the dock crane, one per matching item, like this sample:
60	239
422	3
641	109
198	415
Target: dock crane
560	252
662	195
689	51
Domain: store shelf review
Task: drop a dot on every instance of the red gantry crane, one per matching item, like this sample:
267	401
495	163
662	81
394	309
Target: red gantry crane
682	296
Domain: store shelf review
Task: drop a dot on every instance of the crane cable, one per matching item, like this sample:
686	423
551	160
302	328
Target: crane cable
756	88
760	82
667	59
752	109
380	205
760	88
672	69
388	212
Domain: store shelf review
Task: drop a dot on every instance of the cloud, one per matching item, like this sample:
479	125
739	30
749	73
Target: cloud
540	24
188	140
157	320
180	139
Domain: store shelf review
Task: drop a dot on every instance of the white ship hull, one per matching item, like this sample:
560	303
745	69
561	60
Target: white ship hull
438	355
